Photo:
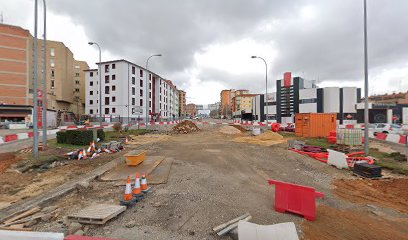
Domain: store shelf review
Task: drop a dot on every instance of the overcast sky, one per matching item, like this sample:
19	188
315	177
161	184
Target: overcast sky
207	44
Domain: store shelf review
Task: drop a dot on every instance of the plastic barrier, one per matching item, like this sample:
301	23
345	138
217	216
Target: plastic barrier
295	198
275	127
11	137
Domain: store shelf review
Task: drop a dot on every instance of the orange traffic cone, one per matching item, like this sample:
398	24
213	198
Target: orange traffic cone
128	197
137	192
144	187
80	155
126	141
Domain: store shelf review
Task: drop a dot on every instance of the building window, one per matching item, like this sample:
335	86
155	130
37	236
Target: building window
150	94
150	76
141	73
113	88
141	102
113	109
106	110
52	83
106	100
133	80
113	99
91	74
133	91
106	68
97	111
52	52
150	85
76	74
76	82
90	102
52	63
90	83
141	92
107	79
113	67
106	89
113	77
52	73
150	104
76	89
90	92
90	111
133	101
133	70
141	83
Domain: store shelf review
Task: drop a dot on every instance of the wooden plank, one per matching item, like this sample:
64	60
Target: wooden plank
97	214
232	226
24	220
224	225
16	228
22	215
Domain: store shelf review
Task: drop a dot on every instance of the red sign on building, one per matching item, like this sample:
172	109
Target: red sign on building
287	79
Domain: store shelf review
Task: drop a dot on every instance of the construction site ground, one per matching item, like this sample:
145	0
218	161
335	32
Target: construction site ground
215	178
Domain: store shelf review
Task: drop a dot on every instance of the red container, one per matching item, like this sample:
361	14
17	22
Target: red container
297	199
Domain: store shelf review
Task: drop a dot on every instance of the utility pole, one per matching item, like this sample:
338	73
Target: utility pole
44	95
35	75
366	142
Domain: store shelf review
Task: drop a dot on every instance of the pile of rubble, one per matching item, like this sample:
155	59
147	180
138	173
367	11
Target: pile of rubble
185	127
92	151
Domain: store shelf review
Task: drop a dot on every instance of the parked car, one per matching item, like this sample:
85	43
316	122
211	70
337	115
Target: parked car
290	127
386	128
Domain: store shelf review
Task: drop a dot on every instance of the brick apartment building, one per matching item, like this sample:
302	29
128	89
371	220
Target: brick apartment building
182	103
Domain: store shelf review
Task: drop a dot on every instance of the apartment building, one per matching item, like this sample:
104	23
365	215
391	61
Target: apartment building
191	109
64	76
394	98
242	106
182	103
226	100
124	93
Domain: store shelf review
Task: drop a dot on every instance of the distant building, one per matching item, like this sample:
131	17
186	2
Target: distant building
182	103
191	109
395	98
242	106
226	101
259	107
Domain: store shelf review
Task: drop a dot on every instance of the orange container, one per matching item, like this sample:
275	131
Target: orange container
315	124
135	157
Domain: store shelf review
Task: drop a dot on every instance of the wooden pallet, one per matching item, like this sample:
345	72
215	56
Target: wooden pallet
97	213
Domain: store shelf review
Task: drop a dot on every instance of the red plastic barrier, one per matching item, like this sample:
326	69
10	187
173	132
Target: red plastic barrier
295	198
275	127
72	127
10	137
403	139
381	136
30	134
349	126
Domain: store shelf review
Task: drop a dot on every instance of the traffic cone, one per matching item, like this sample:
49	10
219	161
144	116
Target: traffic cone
126	141
137	192
80	155
128	197
84	154
144	187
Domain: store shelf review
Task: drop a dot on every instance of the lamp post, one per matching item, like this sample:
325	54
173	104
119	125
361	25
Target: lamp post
35	76
100	82
366	148
44	95
147	84
266	87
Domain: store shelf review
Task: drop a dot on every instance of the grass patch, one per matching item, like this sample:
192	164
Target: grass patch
287	134
135	132
319	142
53	143
395	167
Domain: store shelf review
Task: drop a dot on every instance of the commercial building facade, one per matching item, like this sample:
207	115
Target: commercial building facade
124	93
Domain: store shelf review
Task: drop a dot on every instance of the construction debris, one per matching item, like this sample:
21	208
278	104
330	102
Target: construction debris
231	225
92	151
280	231
185	127
28	218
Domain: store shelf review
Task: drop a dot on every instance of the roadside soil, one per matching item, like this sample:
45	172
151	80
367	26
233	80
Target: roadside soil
6	160
390	193
214	179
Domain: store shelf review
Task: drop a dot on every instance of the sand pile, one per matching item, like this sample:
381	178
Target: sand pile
147	139
267	138
185	127
239	127
229	130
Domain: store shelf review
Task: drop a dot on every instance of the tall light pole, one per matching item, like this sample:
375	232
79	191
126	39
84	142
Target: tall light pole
35	75
366	143
100	81
266	87
44	95
147	88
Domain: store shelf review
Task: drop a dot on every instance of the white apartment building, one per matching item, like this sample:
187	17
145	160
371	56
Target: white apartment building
124	93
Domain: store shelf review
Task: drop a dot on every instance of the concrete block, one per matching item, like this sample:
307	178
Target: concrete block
18	235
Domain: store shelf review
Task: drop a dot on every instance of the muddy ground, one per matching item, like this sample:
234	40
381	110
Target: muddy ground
214	179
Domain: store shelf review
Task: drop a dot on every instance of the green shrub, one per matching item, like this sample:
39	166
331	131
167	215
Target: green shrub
100	134
75	137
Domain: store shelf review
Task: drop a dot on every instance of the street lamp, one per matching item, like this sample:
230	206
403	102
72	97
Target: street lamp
35	77
100	82
147	83
366	149
266	87
44	95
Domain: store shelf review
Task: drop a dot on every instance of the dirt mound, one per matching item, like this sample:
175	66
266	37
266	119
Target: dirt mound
185	127
333	223
267	138
229	130
7	159
239	127
391	193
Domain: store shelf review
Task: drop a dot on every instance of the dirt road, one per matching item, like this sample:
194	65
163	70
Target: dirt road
214	179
